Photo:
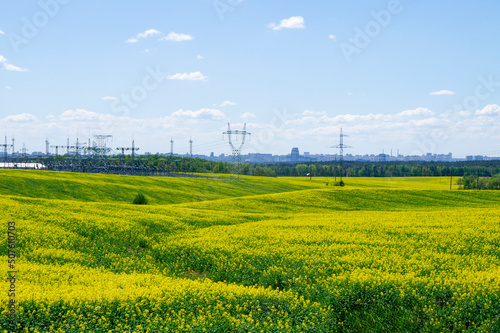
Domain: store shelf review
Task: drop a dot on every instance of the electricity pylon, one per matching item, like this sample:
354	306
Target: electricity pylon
341	148
235	148
5	147
100	148
133	149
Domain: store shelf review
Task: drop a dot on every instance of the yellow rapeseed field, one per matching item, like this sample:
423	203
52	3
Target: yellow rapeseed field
258	255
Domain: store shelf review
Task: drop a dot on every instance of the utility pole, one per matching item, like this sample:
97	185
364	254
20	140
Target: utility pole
57	149
47	145
87	151
77	150
477	180
235	149
341	148
132	149
6	147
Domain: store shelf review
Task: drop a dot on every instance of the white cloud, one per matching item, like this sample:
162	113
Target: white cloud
442	92
9	67
2	33
314	113
145	34
429	122
194	76
294	22
410	129
311	118
489	110
227	103
418	112
200	57
109	98
313	131
21	118
248	116
8	87
80	115
212	114
332	37
175	37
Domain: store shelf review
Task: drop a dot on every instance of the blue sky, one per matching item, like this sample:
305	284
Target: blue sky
417	76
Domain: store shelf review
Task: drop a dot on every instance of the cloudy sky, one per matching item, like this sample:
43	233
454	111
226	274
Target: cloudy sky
418	76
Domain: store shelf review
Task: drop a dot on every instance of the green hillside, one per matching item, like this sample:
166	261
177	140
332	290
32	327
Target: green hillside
260	254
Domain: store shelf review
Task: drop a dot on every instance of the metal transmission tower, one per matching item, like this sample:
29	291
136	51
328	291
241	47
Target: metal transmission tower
61	147
57	149
341	148
171	146
190	147
47	147
12	146
5	147
236	149
133	149
78	148
99	147
24	151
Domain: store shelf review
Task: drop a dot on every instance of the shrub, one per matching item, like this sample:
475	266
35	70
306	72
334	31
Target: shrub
140	199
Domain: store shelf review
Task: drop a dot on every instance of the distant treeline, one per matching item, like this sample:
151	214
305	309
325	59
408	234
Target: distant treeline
473	182
174	164
388	169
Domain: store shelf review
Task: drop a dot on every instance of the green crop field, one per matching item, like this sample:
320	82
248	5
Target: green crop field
255	255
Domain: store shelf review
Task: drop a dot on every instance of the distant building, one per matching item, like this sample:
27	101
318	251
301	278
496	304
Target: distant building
294	156
260	158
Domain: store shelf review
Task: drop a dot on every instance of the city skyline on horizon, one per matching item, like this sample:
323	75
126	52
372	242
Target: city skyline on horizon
62	149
